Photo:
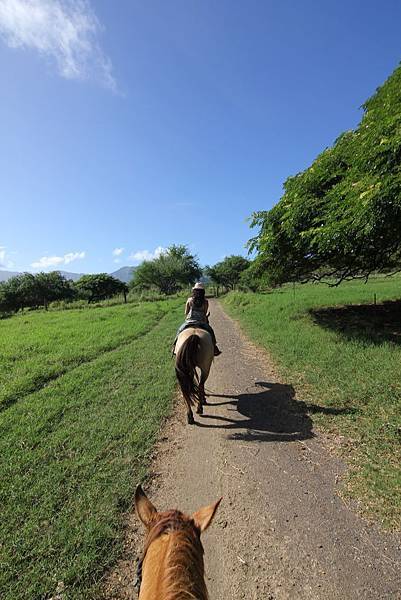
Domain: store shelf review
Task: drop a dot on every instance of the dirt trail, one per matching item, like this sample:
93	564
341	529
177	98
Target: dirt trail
281	531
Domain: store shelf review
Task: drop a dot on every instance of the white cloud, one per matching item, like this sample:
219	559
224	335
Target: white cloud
117	251
2	257
65	31
5	262
142	255
55	261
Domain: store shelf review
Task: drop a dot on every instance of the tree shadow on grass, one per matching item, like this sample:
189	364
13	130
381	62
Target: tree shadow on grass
272	415
370	323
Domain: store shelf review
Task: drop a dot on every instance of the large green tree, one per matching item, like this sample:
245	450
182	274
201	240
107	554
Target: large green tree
99	287
341	217
53	286
171	271
32	290
227	273
255	278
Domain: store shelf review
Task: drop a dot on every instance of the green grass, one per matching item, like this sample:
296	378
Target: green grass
72	451
133	297
347	359
38	346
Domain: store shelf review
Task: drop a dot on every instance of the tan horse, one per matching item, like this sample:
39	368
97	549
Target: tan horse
172	565
194	349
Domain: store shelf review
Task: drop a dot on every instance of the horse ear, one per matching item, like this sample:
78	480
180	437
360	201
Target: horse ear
204	516
144	508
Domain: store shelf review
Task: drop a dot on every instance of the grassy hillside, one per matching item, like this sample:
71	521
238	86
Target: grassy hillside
344	362
83	394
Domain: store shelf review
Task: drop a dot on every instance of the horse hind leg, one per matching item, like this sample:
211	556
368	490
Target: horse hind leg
199	405
204	377
190	414
204	401
202	395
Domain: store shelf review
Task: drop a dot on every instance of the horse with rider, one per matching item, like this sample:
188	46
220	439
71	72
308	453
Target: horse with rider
195	347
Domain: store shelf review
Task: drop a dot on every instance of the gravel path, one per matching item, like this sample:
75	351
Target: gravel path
281	531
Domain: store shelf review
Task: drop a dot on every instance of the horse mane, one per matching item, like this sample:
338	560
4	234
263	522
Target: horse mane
184	575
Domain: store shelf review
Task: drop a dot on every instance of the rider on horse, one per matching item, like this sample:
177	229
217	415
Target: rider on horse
196	314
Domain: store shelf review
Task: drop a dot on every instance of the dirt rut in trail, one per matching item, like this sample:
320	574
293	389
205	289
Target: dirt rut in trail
281	531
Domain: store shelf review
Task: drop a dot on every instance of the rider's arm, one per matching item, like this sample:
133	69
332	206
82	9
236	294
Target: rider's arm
187	306
206	306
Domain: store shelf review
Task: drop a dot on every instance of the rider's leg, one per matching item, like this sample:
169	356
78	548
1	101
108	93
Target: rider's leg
211	331
181	328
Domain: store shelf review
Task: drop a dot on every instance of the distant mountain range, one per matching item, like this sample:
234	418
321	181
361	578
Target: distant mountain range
4	275
123	274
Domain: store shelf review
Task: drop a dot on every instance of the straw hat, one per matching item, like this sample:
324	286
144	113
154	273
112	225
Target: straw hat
198	286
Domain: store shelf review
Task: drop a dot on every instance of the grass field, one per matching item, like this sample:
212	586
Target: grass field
38	346
345	363
83	394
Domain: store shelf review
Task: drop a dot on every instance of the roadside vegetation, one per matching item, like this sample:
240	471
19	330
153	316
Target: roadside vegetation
132	297
28	290
169	273
83	395
341	217
227	273
342	354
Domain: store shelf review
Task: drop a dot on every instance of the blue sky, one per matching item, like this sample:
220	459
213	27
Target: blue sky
128	126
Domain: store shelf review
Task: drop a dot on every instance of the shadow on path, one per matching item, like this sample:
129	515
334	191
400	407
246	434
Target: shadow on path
272	415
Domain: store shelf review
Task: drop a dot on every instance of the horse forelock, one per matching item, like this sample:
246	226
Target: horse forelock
183	575
169	522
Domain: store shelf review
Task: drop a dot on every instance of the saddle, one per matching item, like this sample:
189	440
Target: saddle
198	325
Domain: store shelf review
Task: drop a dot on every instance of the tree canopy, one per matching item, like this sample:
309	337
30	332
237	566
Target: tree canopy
341	218
169	272
99	287
34	290
227	272
255	278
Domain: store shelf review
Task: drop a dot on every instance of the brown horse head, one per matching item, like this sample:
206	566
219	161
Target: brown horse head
172	563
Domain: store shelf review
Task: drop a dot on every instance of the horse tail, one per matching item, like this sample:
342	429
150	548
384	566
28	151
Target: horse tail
185	368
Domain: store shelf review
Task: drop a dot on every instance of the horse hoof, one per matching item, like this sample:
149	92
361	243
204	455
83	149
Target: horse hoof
191	419
199	410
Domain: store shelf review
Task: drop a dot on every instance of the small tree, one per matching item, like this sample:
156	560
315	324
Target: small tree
227	273
10	299
52	286
99	287
169	272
